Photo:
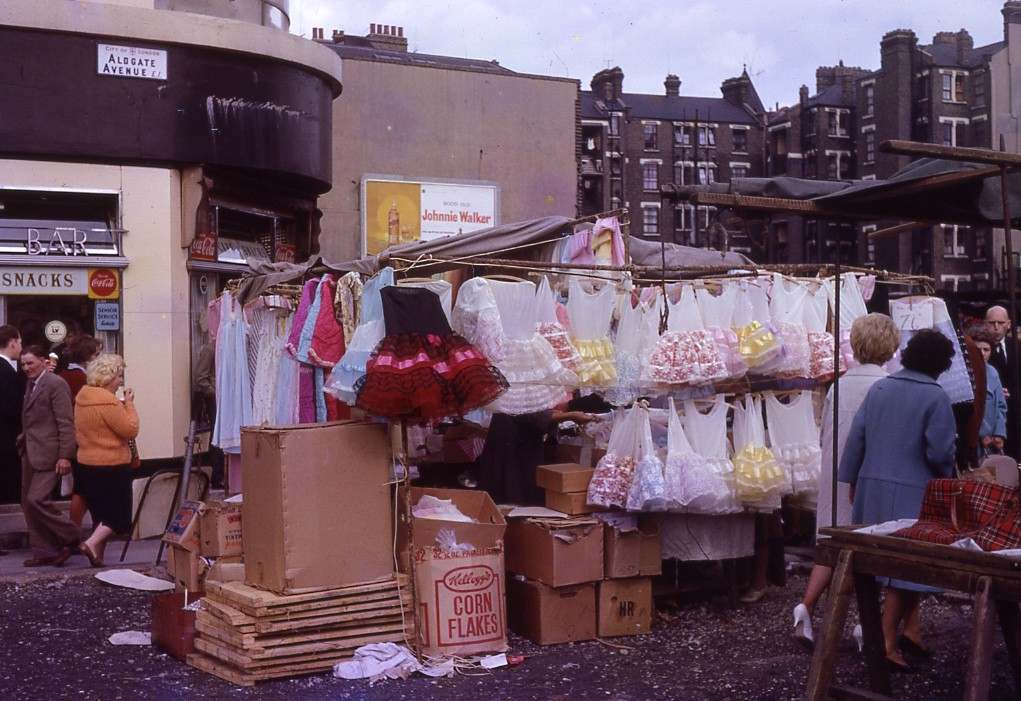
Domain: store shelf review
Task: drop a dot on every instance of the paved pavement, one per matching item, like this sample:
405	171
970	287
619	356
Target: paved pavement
140	556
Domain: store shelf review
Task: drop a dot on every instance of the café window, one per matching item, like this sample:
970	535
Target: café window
57	223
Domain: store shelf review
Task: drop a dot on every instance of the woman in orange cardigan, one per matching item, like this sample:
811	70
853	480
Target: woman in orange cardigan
103	425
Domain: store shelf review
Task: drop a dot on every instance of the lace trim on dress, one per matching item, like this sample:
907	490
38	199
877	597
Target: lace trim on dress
598	362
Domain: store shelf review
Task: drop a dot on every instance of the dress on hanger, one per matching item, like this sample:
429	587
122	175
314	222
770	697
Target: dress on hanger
820	341
327	345
955	382
477	318
442	288
852	306
367	335
794	435
718	315
787	309
537	379
611	480
758	478
270	351
285	396
757	342
648	488
686	353
690	485
308	293
591	314
346	303
637	332
550	328
421	369
707	434
233	381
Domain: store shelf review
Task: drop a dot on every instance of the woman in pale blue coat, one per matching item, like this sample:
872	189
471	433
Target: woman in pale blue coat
902	437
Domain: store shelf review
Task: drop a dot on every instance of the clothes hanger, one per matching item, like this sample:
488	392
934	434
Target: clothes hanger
410	280
504	278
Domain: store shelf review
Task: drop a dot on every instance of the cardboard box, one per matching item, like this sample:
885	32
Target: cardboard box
460	599
632	552
186	569
183	530
317	507
548	616
650	561
622	550
220	532
564	478
572	504
556	552
625	607
227	569
173	627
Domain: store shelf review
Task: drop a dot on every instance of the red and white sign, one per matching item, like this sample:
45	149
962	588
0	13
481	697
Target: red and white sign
453	209
104	283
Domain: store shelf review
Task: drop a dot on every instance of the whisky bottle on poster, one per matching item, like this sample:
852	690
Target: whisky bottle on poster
393	225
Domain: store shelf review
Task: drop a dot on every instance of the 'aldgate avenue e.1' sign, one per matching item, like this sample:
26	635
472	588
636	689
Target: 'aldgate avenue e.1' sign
131	62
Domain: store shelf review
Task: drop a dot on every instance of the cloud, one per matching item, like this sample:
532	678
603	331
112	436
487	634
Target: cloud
781	41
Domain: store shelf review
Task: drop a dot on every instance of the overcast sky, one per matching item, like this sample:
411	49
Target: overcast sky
781	41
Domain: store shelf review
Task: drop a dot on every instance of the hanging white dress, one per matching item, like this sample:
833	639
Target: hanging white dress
760	481
914	313
477	318
648	489
233	379
686	353
718	317
550	328
637	332
591	314
787	309
537	379
707	433
267	365
852	306
794	437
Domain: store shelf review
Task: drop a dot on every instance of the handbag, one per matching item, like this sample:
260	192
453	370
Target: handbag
952	509
136	460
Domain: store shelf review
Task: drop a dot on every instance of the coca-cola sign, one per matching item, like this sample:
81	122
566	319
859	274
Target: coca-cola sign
104	284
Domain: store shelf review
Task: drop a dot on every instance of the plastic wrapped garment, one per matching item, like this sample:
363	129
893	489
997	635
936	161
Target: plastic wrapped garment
758	479
914	313
591	314
794	436
686	353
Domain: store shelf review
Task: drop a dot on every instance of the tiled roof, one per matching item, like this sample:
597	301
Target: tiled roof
946	54
667	107
833	96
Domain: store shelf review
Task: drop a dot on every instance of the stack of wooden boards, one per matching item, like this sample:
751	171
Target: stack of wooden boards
246	635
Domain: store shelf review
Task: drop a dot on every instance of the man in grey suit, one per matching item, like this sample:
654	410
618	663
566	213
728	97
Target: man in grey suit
47	447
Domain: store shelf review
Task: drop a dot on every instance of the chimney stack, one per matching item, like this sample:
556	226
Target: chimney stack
672	85
388	37
803	94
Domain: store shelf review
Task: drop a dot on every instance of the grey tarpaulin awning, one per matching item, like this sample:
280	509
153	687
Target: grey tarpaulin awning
928	189
647	253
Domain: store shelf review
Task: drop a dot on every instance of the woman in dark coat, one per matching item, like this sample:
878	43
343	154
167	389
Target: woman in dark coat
901	437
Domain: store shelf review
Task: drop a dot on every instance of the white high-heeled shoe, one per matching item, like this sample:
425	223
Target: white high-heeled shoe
859	637
803	626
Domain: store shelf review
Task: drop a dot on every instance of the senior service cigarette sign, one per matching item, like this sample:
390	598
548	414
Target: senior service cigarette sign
399	211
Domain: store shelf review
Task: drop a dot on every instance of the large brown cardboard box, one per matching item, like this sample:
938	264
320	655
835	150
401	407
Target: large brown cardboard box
548	616
585	454
564	478
625	607
317	507
220	532
460	599
556	552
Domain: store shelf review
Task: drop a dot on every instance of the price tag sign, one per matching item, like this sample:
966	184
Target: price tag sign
912	315
108	316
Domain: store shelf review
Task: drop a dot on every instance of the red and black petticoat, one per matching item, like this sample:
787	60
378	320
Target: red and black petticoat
422	370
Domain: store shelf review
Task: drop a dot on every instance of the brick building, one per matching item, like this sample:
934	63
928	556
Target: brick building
630	144
937	93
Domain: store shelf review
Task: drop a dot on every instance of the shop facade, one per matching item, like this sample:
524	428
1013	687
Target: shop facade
146	157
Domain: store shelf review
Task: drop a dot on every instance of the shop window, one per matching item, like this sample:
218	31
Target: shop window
57	223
